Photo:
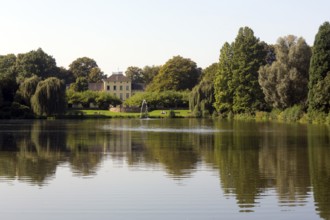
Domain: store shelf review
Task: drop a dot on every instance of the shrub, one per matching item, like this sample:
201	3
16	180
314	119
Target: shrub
171	114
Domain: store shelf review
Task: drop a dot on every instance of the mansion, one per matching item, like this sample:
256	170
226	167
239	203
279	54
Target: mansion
118	85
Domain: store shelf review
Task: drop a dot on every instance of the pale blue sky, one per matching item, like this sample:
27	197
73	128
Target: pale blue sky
122	33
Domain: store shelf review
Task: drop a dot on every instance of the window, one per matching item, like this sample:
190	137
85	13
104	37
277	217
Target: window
108	88
121	95
127	95
114	88
127	87
120	88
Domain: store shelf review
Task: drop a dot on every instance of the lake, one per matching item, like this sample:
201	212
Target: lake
163	169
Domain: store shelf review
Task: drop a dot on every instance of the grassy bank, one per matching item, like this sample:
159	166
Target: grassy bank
294	114
108	114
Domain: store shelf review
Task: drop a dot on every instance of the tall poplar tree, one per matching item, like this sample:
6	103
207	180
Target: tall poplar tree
248	56
223	89
319	72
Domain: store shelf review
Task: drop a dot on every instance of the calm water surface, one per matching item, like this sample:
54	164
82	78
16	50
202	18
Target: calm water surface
163	169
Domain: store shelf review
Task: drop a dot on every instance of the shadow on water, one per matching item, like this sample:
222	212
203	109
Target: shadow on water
252	159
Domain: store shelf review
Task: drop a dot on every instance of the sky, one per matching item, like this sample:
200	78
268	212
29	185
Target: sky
122	33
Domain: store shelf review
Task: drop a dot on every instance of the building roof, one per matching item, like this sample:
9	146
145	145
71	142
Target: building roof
117	77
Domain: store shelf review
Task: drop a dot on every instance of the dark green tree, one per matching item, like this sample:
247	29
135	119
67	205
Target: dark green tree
149	72
95	75
223	89
36	63
135	74
202	96
87	68
1	97
177	73
248	56
80	85
104	100
66	75
8	84
27	89
320	70
49	98
284	82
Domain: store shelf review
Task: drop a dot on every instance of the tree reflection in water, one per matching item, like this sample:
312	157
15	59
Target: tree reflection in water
252	159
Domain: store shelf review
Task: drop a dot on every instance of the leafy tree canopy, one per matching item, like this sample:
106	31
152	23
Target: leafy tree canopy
202	96
236	85
319	70
80	85
49	98
27	89
135	74
284	82
149	72
35	63
8	84
177	73
248	56
86	67
223	89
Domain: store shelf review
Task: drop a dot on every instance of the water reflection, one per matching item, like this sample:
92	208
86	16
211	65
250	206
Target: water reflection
252	159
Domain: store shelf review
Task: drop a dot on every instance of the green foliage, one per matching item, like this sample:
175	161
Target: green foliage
167	99
88	97
319	71
85	98
248	56
65	75
87	68
8	84
202	95
35	63
284	82
20	111
149	72
104	100
16	110
292	114
73	97
80	85
95	75
236	84
223	89
135	74
27	89
171	114
176	74
318	117
49	98
322	94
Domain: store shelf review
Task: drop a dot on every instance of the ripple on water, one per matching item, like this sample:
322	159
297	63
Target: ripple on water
165	130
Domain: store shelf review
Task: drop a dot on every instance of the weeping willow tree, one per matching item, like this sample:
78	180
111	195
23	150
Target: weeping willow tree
27	89
202	96
49	97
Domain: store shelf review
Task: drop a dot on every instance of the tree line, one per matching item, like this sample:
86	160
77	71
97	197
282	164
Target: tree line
253	76
31	84
250	77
